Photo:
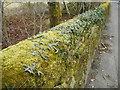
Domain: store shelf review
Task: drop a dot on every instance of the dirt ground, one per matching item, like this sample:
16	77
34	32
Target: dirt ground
17	27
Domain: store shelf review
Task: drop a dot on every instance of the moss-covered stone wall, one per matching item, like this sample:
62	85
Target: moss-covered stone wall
56	58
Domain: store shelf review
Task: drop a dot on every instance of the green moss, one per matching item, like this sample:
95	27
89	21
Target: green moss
60	54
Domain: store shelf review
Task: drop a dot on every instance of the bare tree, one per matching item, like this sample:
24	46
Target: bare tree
5	38
0	25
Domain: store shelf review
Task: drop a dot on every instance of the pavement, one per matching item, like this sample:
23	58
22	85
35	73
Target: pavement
104	69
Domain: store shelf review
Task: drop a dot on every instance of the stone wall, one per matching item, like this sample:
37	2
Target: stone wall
57	58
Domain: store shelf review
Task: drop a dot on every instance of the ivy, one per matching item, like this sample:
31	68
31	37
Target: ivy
42	43
42	55
32	69
71	33
63	54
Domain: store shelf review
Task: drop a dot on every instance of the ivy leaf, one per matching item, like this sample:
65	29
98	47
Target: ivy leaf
63	54
42	43
36	45
84	24
40	73
56	50
34	37
42	55
40	32
33	53
50	46
57	40
68	42
55	44
34	65
29	69
44	48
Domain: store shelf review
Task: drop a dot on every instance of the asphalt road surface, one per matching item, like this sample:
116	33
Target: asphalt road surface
104	70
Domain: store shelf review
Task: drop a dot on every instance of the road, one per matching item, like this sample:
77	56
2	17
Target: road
104	70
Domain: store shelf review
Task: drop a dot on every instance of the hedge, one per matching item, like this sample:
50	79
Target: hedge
57	58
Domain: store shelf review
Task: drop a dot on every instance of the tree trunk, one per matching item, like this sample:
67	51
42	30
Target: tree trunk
55	13
67	9
0	25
